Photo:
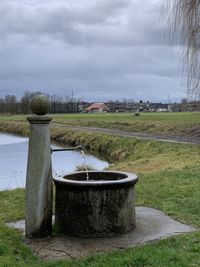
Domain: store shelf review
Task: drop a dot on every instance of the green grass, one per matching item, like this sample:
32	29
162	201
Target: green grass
160	123
129	117
11	205
182	250
164	123
12	118
175	192
174	252
13	251
169	179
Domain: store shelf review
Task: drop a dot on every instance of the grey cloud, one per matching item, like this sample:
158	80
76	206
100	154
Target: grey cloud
101	49
55	16
114	22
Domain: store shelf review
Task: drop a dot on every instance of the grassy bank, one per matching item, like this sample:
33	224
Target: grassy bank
160	123
169	180
185	124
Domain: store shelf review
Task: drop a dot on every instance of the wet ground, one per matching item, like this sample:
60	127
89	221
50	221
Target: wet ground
152	224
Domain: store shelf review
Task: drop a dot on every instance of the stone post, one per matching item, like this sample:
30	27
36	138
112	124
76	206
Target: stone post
38	199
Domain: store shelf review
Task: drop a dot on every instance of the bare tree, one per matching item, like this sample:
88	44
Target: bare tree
186	24
2	106
10	104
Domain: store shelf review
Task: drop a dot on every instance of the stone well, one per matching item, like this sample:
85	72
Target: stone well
102	206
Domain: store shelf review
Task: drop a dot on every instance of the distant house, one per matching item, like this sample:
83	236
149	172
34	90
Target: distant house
97	108
162	109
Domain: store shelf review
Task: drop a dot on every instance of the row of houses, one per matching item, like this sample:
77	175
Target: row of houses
142	107
126	107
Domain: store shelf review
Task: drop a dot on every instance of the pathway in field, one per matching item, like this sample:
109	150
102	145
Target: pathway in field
146	136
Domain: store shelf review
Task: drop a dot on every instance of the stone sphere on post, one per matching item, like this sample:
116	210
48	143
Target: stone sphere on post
40	105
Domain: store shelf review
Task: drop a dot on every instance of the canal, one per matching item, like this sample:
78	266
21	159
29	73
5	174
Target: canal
13	161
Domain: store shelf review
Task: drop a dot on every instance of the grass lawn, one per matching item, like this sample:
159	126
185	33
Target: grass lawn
169	179
163	123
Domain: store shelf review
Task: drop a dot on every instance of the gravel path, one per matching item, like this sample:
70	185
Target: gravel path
138	135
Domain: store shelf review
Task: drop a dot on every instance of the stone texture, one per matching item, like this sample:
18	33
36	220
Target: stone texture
151	225
102	206
40	105
38	207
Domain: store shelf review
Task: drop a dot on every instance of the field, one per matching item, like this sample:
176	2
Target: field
161	123
169	179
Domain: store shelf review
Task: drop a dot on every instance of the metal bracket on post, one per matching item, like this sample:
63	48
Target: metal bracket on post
67	149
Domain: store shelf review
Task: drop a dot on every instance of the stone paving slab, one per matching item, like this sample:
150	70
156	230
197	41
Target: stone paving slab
152	224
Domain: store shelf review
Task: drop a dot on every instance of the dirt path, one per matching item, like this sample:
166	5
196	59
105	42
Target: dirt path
138	135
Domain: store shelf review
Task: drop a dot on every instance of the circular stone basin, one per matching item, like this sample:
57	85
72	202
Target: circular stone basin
101	206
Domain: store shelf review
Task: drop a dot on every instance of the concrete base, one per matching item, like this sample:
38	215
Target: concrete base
151	225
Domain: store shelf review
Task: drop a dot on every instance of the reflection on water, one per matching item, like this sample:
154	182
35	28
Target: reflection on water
13	161
6	139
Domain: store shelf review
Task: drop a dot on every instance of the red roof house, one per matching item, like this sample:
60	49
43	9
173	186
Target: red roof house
97	108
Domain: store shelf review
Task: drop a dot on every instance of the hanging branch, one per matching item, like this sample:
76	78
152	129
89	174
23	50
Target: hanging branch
186	24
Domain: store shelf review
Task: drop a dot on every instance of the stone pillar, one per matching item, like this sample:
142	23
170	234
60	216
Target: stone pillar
38	202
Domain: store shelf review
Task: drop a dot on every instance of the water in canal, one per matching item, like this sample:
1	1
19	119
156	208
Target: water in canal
13	161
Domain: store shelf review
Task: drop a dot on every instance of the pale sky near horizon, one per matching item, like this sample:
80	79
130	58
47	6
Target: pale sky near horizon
102	50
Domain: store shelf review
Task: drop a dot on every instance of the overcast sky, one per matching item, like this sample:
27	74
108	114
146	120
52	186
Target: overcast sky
102	50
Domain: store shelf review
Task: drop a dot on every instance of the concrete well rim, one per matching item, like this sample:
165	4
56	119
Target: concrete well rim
129	179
